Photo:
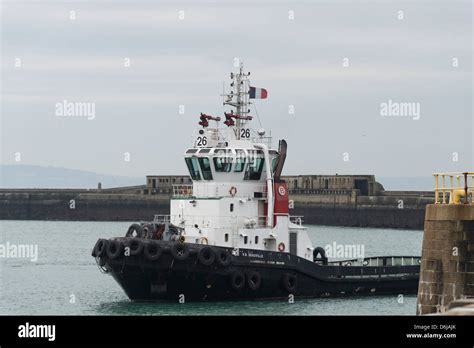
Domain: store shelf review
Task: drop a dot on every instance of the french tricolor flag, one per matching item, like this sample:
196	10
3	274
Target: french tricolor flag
257	93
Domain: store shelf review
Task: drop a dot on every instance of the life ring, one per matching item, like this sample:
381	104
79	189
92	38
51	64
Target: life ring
281	247
204	240
233	191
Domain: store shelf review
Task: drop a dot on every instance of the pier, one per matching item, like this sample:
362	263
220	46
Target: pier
447	268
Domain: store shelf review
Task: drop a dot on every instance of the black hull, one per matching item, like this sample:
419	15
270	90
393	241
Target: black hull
189	280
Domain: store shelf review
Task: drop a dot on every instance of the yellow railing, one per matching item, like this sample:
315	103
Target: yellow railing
459	189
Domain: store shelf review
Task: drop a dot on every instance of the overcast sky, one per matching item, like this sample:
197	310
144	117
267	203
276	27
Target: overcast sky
424	57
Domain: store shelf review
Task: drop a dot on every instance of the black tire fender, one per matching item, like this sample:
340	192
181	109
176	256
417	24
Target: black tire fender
114	249
290	282
237	280
223	257
135	231
135	246
93	254
100	248
253	280
206	256
322	253
102	261
179	251
152	251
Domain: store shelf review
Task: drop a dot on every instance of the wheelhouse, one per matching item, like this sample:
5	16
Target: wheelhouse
227	164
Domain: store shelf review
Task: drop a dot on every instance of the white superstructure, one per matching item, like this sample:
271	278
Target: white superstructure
237	198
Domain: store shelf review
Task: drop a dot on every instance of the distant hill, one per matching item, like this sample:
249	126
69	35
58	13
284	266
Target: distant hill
29	176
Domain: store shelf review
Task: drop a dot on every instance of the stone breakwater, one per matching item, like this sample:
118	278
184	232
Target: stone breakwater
405	210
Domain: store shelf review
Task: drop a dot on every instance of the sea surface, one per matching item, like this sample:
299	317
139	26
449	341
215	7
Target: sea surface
65	279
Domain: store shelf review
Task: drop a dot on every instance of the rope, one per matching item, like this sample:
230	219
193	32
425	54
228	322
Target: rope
258	117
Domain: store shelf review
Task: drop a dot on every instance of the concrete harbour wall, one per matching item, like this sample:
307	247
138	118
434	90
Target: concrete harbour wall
94	205
447	268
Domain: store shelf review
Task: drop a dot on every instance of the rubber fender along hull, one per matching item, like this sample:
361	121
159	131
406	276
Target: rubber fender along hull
266	275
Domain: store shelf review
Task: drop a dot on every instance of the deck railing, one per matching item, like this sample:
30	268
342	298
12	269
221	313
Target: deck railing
160	219
213	220
296	219
378	261
253	222
459	188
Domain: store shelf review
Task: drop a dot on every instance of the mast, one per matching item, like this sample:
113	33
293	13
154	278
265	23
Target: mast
238	98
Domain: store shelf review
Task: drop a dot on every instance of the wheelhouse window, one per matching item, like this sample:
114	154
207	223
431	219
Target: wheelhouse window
223	164
239	164
205	168
193	168
254	169
239	161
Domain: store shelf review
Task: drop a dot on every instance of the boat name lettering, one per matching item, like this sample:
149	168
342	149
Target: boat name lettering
251	254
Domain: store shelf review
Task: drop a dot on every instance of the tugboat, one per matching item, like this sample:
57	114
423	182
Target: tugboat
230	236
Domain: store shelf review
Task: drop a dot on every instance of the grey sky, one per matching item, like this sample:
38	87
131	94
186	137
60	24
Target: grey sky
299	62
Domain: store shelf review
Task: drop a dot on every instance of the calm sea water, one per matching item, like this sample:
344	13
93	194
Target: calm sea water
65	279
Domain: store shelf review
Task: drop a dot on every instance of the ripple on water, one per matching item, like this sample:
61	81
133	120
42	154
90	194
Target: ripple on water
65	268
